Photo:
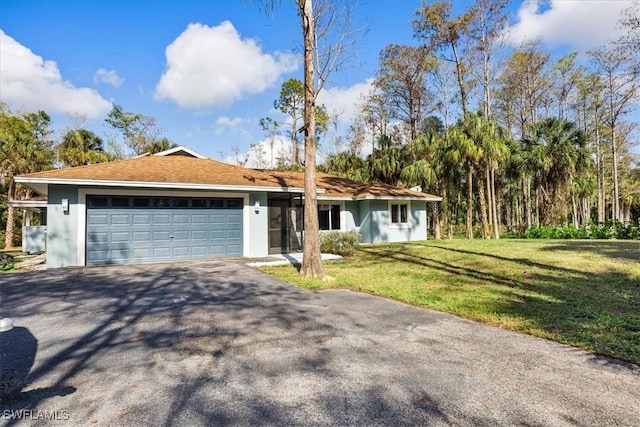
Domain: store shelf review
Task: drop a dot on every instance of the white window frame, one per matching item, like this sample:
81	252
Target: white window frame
406	224
340	205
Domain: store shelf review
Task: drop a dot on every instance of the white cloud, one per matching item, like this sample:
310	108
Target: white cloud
214	66
108	76
578	23
345	101
225	124
28	82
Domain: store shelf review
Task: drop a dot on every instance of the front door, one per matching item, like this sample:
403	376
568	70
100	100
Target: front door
285	227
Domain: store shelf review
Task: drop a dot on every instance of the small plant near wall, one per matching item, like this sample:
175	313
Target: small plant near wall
339	242
7	263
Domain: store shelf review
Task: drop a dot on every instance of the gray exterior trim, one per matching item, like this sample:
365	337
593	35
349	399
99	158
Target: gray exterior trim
40	185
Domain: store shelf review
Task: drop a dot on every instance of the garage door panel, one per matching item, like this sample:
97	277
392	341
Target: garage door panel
161	236
180	235
234	219
143	233
217	235
217	250
199	235
161	219
100	256
234	249
98	237
180	219
141	254
120	236
216	219
199	251
141	236
180	251
161	251
234	234
141	219
97	219
199	219
120	253
120	219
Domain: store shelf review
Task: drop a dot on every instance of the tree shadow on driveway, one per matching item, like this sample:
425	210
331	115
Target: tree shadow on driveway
207	343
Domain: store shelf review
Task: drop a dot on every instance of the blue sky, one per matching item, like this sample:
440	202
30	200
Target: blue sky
157	58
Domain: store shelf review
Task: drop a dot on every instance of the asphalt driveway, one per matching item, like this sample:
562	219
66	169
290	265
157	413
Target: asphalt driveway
219	343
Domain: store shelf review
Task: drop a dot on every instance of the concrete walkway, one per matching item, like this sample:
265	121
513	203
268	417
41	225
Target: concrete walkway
290	258
215	343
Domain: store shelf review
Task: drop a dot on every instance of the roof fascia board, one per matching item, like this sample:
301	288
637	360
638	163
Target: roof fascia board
327	197
424	199
166	185
180	148
23	204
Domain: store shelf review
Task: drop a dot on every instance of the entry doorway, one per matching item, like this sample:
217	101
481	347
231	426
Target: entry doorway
285	224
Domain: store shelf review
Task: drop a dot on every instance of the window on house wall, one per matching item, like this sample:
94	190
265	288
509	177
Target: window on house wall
399	213
329	217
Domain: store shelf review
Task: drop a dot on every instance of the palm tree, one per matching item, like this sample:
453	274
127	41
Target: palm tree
555	150
24	148
470	141
81	147
386	161
426	170
346	165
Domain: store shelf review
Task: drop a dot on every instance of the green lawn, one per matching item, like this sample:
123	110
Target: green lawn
582	293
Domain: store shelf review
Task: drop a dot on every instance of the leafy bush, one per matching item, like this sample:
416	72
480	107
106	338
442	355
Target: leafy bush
607	230
7	262
339	243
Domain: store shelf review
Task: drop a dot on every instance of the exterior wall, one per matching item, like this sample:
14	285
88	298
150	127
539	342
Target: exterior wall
351	217
378	223
34	238
62	228
364	217
258	226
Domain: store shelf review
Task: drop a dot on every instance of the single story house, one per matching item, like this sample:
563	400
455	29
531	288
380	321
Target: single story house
180	205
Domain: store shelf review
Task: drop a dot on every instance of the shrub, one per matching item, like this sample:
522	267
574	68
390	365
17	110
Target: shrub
7	262
339	243
607	230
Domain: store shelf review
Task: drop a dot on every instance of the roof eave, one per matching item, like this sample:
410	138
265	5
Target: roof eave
426	198
33	182
25	204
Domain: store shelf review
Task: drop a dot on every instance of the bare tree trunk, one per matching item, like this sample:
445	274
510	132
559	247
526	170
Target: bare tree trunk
586	211
527	201
312	260
461	85
295	153
483	209
626	213
496	224
600	172
487	174
574	205
435	214
469	233
11	215
614	176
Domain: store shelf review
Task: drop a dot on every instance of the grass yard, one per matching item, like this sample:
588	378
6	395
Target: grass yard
582	293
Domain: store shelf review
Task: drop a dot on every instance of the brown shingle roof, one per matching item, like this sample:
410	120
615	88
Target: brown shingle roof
183	170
